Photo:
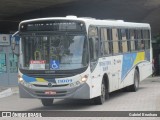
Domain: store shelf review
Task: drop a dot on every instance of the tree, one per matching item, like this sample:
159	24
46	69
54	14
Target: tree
157	38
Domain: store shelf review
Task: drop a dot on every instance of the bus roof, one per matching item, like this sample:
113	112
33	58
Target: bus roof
92	21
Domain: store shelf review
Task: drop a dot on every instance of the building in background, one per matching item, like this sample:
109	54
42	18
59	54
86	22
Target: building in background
8	61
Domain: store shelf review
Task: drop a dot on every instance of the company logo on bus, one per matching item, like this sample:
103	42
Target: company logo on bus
49	84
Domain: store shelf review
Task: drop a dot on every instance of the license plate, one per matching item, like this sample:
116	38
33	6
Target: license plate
50	92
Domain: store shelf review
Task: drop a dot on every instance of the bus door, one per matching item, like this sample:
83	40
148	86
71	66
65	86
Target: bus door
95	68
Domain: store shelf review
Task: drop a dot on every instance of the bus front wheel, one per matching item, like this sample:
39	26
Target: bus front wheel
47	102
101	99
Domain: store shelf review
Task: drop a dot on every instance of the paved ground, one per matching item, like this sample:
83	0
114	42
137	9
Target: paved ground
147	98
3	88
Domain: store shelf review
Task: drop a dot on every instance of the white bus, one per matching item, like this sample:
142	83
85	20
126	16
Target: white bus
81	58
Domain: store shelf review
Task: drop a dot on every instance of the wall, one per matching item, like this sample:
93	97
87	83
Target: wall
8	65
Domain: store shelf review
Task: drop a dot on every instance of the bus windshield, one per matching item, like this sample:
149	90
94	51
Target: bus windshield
54	52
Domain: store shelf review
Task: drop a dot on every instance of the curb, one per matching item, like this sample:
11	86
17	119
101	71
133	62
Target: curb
156	77
8	92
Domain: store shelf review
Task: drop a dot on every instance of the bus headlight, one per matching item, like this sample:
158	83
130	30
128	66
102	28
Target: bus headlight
84	78
20	80
81	81
28	85
75	84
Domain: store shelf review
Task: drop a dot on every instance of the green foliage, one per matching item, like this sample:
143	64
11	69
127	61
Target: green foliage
157	38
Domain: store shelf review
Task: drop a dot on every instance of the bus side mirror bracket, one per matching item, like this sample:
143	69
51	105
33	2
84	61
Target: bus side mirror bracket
13	44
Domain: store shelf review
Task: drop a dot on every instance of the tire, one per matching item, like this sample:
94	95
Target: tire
47	102
135	86
104	95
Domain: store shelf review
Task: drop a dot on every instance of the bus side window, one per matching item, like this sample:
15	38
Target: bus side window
93	43
109	37
128	39
146	38
124	41
123	47
136	39
115	41
120	40
139	38
142	41
105	42
132	40
148	35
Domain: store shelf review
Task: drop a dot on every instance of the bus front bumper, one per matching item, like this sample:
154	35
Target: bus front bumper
79	92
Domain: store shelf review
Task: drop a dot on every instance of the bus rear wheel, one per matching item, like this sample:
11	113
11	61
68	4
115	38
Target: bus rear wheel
47	102
135	86
104	94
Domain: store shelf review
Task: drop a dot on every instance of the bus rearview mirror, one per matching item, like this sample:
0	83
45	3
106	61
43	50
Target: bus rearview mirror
13	43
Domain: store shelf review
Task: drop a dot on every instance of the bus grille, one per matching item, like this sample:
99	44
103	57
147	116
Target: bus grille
37	85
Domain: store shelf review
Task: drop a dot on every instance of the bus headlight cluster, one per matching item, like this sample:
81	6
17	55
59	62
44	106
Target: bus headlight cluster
77	83
20	80
81	81
27	84
84	78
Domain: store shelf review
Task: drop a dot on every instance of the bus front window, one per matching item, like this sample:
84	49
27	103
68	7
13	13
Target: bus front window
55	52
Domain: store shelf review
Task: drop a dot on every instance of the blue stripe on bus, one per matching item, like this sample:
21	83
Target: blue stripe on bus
128	61
28	79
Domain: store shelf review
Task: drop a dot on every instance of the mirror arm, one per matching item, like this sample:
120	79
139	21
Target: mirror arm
15	33
14	44
17	54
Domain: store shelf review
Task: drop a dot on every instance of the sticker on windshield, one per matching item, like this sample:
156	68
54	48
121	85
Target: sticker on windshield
37	64
54	64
